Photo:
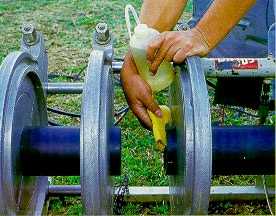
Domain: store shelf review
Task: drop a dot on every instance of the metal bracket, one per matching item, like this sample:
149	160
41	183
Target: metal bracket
103	40
33	43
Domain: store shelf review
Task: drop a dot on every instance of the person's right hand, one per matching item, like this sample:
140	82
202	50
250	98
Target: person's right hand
138	93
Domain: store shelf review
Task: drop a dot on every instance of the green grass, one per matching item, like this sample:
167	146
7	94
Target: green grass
67	27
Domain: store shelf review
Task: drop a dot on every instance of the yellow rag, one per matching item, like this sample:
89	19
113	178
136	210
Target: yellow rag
159	124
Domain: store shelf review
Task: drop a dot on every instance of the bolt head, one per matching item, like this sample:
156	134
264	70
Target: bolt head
28	29
29	34
102	33
183	27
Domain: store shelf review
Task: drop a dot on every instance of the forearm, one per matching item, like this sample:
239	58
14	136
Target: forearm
163	14
221	18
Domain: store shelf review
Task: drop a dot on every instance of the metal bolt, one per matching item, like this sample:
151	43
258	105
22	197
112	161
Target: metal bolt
27	28
183	27
29	33
102	33
101	27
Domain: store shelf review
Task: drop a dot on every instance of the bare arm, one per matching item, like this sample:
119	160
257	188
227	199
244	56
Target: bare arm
218	21
162	15
221	18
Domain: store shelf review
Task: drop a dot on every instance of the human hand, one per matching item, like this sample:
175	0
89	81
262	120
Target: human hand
175	46
138	93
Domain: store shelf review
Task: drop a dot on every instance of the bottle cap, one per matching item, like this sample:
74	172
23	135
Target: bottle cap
141	31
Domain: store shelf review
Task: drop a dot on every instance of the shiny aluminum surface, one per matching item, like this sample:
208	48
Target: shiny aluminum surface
97	118
22	103
190	187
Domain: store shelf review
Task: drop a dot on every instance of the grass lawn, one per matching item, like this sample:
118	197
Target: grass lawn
67	26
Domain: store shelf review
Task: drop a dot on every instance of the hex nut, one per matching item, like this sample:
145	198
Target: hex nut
183	27
102	33
29	34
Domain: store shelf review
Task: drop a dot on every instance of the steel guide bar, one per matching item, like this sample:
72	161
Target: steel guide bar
213	67
158	193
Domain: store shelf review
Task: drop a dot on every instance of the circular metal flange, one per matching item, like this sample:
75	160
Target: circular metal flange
96	122
22	103
190	185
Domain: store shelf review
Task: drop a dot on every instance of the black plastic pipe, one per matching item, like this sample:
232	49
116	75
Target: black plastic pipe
55	151
243	150
236	150
50	151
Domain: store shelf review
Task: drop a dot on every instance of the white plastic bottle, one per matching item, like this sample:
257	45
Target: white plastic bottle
138	46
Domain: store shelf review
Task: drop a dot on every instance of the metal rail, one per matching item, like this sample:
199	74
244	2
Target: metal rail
231	67
238	67
158	194
65	88
213	68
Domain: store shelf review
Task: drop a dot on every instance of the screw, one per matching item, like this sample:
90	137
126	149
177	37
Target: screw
29	33
102	33
101	27
183	27
27	28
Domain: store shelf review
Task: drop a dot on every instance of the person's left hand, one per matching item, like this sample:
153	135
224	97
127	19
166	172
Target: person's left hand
175	46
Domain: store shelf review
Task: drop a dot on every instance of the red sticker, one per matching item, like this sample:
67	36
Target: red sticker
236	64
246	64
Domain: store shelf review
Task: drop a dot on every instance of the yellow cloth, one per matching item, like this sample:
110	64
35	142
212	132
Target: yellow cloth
159	124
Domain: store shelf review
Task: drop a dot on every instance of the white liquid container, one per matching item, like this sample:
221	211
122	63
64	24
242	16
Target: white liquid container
138	46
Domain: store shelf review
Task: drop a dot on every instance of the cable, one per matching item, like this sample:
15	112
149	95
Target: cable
120	119
52	123
266	195
213	85
124	112
50	76
77	76
241	111
117	81
118	84
117	78
62	112
119	59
